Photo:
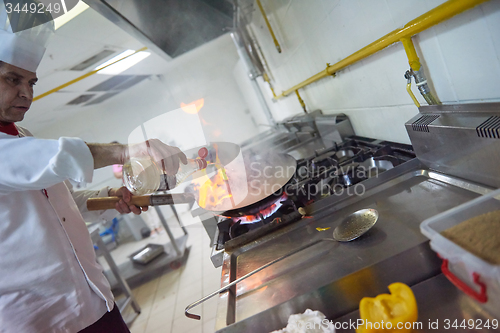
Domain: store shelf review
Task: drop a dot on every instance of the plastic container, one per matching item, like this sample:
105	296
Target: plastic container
477	278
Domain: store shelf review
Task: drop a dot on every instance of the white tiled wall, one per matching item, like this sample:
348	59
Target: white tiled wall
461	58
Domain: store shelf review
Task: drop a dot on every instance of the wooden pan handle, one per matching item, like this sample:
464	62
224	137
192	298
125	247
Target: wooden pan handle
109	202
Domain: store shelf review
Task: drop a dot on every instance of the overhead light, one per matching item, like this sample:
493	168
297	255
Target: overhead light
124	61
77	10
115	58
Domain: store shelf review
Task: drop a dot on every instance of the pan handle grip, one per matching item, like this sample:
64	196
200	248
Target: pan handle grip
109	202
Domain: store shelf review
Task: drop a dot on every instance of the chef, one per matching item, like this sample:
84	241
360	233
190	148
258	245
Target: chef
50	280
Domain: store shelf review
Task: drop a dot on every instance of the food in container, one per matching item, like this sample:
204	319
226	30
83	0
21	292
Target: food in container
477	277
479	235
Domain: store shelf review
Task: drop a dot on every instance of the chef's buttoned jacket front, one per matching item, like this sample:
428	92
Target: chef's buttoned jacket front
50	280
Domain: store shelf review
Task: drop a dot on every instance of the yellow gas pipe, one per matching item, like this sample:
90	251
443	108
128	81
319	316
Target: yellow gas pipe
434	16
408	89
301	101
278	47
415	65
411	53
266	78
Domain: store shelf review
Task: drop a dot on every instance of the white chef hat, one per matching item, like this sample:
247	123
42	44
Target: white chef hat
23	34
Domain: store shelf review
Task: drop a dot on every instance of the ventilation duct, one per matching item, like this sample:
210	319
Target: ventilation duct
169	27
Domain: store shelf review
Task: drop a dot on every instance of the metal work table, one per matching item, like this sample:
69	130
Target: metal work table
175	253
440	304
122	283
332	277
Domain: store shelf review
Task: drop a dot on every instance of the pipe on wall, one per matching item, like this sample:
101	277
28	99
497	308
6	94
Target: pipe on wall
417	71
435	16
252	75
301	101
411	53
276	43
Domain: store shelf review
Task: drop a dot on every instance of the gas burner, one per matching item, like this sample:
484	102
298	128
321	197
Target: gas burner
351	174
376	165
263	213
322	164
235	228
238	228
343	155
328	172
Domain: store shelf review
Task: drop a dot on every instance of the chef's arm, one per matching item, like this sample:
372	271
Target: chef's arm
105	154
116	153
121	207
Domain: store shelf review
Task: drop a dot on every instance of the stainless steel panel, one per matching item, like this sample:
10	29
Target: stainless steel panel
454	143
342	296
440	303
404	197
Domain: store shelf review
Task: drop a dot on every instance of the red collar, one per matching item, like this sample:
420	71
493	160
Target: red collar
10	129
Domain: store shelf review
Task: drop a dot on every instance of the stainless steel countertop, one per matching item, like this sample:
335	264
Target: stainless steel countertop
332	277
440	304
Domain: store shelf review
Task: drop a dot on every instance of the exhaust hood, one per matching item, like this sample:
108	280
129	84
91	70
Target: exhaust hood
169	27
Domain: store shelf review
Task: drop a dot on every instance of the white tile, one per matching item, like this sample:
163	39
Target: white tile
404	11
329	5
158	321
470	55
209	326
163	304
491	13
185	298
161	330
145	300
169	283
210	286
210	308
347	15
435	67
307	14
190	292
186	325
138	327
192	270
397	117
288	28
190	286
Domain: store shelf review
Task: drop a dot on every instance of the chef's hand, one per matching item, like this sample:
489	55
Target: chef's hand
122	206
160	152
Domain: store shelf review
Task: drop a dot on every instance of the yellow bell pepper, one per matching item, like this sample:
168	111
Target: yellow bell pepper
389	313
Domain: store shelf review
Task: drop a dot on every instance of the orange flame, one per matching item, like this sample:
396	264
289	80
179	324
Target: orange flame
188	108
263	213
213	191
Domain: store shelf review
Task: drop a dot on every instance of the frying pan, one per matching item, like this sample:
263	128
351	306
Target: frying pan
255	180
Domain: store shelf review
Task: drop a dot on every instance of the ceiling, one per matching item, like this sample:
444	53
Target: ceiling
78	40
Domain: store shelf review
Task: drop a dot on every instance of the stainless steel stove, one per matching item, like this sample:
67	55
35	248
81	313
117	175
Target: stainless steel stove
329	171
282	262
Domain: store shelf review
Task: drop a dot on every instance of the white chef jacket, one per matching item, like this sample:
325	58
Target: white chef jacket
50	280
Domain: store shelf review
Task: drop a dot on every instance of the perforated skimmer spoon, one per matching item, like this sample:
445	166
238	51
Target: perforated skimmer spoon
351	227
355	225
